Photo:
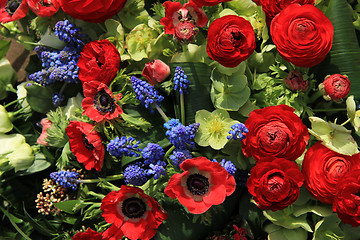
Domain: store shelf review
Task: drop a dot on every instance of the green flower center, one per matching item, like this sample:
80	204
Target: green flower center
216	125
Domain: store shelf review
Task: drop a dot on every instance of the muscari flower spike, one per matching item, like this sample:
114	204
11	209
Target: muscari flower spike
66	179
57	98
71	34
181	136
123	146
171	123
134	174
229	166
157	169
237	132
146	93
180	155
180	80
152	153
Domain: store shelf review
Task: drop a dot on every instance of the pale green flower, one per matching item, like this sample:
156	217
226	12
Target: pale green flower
5	122
214	128
72	104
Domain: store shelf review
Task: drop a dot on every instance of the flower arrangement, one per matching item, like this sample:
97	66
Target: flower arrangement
200	119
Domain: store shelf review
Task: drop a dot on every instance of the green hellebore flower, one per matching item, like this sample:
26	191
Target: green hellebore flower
7	77
5	122
352	114
214	128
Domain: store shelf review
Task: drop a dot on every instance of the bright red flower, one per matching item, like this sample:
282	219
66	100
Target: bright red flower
174	14
88	235
275	183
86	144
156	71
132	212
44	8
347	199
275	131
92	10
336	87
230	40
201	3
45	123
99	61
324	168
202	184
99	103
11	10
303	35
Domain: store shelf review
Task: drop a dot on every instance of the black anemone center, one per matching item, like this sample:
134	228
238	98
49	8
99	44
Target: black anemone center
133	207
12	6
45	3
198	184
86	143
104	102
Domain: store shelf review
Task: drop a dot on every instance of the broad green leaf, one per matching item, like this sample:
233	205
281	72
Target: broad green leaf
286	219
68	206
41	229
4	47
261	61
39	164
243	7
247	108
194	53
350	233
39	98
133	13
333	136
227	11
353	114
115	33
328	228
137	121
138	41
279	233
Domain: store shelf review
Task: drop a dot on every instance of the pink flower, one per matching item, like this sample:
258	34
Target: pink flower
156	71
46	123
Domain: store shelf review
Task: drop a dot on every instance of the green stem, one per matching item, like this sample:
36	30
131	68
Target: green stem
167	154
10	88
329	110
315	96
182	108
109	178
63	88
98	196
163	115
348	120
15	101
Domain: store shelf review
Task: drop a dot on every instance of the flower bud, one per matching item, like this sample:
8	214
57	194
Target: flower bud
295	81
46	123
5	122
335	87
156	71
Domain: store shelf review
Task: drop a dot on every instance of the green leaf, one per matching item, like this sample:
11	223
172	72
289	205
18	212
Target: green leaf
328	228
39	98
39	164
4	47
277	233
243	7
115	33
350	233
137	121
68	206
41	229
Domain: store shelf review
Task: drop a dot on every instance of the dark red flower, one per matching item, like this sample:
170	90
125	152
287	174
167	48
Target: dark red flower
174	14
296	82
201	3
44	8
88	235
86	144
202	184
11	10
336	87
347	198
132	212
324	168
272	7
92	10
275	183
99	61
230	40
303	35
99	103
275	131
185	32
156	71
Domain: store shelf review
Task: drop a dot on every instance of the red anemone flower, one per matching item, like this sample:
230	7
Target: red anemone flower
44	8
99	103
132	213
203	184
88	235
11	10
86	144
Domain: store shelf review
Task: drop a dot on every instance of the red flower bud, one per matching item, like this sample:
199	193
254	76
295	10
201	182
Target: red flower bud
295	81
335	87
156	71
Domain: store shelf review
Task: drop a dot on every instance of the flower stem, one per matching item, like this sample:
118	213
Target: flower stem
182	108
109	178
167	154
15	101
163	115
63	88
348	120
329	110
315	96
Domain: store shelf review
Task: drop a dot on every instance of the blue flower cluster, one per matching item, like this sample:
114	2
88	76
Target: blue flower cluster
57	98
134	174
123	146
180	80
237	132
66	179
178	156
146	93
152	152
61	65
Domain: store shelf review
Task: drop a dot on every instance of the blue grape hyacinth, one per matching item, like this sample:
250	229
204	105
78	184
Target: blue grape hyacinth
134	174
237	132
66	179
181	83
123	146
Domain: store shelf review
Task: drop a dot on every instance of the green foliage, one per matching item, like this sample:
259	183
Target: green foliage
115	33
4	47
39	98
56	133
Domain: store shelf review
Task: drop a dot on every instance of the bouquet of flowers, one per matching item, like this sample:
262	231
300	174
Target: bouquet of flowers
200	119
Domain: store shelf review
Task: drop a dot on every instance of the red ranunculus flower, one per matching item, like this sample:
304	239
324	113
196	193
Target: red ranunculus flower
275	131
11	10
92	10
86	144
296	82
45	123
156	71
88	235
272	7
44	8
230	40
347	199
303	35
202	184
99	61
336	87
275	183
208	2
99	103
132	212
174	14
323	168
